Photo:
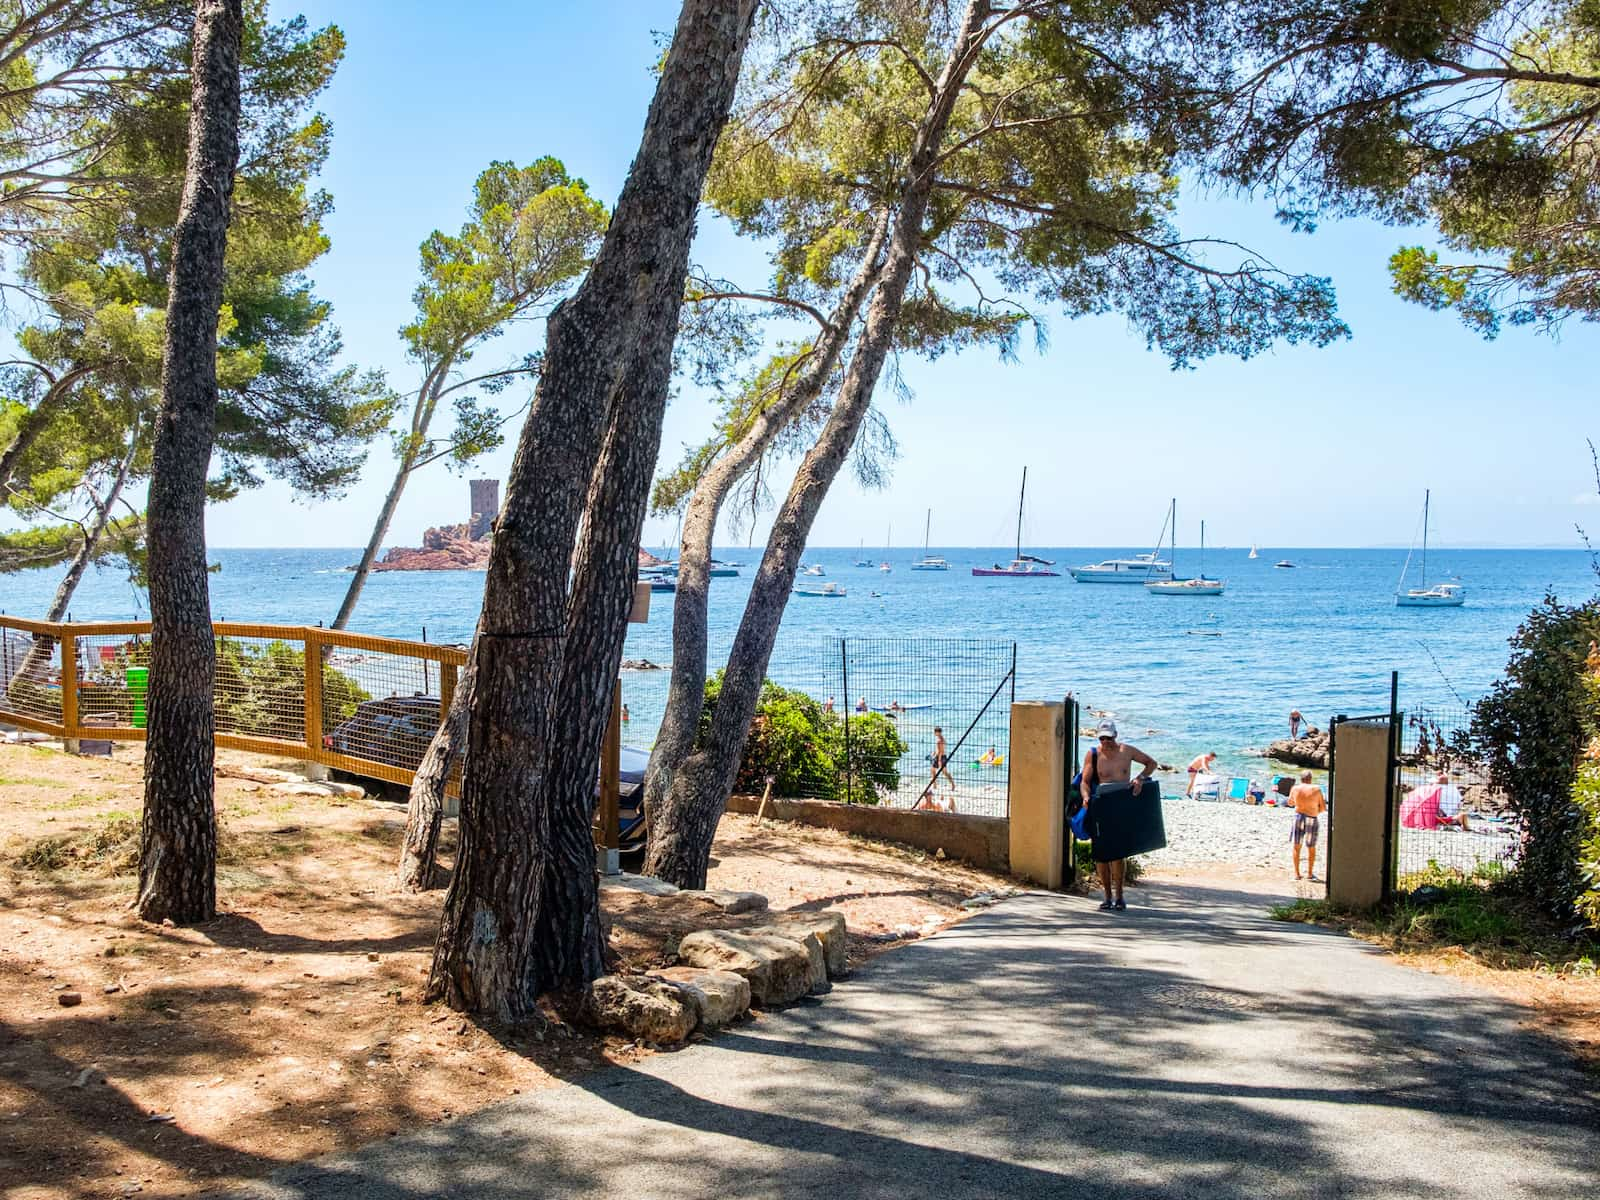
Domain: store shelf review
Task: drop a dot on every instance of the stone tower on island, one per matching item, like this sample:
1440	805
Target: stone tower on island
485	507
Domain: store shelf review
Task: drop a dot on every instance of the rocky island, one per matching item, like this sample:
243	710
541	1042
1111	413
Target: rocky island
463	547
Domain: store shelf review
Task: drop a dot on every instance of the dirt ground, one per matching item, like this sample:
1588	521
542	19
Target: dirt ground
292	1025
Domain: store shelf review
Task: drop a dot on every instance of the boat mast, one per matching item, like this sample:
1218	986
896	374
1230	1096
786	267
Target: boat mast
1020	498
1172	516
1426	498
926	527
1202	548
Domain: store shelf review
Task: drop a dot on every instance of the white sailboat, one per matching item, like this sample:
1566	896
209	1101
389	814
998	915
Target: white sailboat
1253	553
1199	585
1023	566
888	540
929	562
861	555
1440	595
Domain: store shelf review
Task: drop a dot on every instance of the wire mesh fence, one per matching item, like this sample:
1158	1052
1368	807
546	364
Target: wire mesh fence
913	723
374	704
1449	819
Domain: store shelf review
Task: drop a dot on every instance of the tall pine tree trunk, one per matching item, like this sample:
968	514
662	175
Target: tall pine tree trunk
680	852
521	915
178	843
686	690
425	810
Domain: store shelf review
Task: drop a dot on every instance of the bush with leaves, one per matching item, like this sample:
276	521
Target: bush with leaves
803	750
1535	728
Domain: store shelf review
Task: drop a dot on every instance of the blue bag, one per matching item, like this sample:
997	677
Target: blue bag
1079	821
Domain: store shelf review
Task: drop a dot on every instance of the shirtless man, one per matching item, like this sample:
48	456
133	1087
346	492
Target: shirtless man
1200	766
1112	762
1309	804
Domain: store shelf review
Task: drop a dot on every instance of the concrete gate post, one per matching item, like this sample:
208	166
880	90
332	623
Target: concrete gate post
1038	779
1357	870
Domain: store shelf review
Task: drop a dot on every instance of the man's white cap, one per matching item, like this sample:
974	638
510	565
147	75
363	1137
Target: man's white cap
1106	728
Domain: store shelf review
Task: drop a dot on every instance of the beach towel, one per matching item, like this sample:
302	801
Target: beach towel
1420	809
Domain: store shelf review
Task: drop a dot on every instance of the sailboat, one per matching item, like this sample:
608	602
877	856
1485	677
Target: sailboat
929	562
888	539
1253	553
1023	565
861	555
1440	595
1199	585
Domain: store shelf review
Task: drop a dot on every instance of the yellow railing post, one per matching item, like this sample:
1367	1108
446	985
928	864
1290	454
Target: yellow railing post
313	692
447	688
69	688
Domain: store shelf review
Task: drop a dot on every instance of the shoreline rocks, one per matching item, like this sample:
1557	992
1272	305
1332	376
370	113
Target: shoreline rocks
444	548
1311	750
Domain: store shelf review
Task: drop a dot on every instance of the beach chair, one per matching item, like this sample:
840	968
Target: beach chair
1238	789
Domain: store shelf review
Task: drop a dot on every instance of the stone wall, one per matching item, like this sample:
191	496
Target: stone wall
982	841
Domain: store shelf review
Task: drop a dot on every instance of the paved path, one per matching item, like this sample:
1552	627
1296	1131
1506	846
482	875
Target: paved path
1191	1048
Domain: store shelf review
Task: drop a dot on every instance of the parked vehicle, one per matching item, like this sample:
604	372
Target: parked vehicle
396	731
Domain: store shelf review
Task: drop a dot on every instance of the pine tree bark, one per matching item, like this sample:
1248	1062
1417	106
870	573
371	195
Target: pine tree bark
680	849
178	842
686	689
521	915
425	810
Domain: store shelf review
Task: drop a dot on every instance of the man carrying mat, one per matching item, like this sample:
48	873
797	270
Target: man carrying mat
1112	762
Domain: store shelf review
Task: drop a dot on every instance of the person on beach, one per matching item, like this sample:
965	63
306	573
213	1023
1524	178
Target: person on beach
861	704
626	716
1309	805
1450	811
1112	762
1200	766
1294	724
941	766
828	705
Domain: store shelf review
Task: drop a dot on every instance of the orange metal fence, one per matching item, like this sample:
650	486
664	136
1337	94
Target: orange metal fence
371	710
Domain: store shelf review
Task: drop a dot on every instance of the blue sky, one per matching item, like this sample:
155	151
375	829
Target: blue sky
1300	447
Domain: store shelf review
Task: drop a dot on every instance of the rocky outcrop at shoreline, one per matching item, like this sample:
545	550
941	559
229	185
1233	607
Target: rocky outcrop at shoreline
1311	750
444	548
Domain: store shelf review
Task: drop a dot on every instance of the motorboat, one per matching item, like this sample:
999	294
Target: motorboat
1197	586
1285	564
885	567
663	583
929	562
1141	568
828	591
1023	566
813	569
1440	595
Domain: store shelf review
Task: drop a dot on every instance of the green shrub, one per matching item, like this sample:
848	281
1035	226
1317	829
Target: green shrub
1586	798
1533	729
804	751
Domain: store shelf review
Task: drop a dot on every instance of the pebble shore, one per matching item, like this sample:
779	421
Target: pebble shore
1200	832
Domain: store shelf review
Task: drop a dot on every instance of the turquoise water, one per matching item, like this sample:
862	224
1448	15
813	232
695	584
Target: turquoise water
1181	674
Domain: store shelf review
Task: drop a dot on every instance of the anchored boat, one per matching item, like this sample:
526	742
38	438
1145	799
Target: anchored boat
1023	566
828	591
1197	586
929	562
1440	595
1141	568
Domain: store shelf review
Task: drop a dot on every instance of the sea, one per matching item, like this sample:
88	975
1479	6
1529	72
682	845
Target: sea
1180	675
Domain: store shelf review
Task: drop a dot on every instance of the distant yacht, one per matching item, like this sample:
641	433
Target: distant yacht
888	540
1253	553
861	558
828	590
1023	566
1440	595
1141	568
1284	562
813	569
929	562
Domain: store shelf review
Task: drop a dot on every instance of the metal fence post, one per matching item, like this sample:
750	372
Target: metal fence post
844	670
1390	817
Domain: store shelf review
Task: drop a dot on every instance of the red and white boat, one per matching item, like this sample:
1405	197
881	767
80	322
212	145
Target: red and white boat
1023	566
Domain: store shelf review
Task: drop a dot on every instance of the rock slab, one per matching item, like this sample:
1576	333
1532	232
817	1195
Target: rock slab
718	997
732	903
780	969
647	884
827	927
640	1007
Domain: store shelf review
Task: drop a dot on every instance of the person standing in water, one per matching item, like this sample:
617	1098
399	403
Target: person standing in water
1112	762
1309	805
